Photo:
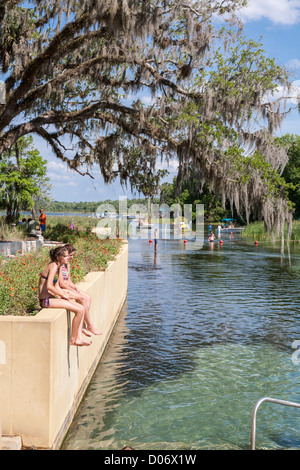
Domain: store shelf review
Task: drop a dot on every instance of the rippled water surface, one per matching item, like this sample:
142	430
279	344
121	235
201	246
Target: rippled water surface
203	335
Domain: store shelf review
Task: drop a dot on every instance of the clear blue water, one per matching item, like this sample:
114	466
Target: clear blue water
203	335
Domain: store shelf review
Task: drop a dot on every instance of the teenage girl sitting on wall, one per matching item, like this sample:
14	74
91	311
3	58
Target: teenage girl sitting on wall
83	298
52	295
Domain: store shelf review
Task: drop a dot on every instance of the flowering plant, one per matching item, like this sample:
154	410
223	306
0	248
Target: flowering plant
19	275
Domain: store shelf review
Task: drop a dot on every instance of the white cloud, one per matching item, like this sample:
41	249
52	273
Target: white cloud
286	12
62	180
56	166
171	166
293	64
291	96
148	100
58	172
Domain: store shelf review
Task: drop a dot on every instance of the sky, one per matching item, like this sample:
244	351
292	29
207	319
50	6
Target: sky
274	23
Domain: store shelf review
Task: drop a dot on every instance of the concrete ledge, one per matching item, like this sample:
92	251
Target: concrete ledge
9	248
42	378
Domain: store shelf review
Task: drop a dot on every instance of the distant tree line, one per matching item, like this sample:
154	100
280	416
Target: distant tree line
24	185
192	192
87	207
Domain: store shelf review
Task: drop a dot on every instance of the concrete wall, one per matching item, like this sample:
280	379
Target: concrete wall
43	378
9	248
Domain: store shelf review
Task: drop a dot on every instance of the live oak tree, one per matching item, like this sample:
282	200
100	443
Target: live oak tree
75	73
145	178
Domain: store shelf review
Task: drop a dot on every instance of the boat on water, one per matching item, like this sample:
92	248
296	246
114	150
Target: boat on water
228	226
145	227
232	230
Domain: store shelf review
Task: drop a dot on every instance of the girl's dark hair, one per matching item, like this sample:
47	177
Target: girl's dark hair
69	247
57	252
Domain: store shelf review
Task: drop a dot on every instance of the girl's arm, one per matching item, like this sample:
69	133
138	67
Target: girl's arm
70	283
62	283
55	289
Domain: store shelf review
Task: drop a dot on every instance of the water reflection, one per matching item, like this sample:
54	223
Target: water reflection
204	334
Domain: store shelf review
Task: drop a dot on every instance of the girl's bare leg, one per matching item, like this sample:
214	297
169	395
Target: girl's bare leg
87	319
85	300
76	330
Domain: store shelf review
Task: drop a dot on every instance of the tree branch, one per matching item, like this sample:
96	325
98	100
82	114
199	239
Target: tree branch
71	163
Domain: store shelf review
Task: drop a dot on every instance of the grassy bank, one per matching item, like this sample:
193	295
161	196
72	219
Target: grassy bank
11	232
19	276
257	231
59	227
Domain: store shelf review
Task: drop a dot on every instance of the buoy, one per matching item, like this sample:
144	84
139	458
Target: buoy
185	241
256	243
221	242
230	233
150	241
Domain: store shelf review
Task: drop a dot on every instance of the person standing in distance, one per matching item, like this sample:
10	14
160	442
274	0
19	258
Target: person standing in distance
42	220
155	238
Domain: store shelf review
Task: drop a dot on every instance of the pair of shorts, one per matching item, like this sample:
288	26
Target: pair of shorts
43	227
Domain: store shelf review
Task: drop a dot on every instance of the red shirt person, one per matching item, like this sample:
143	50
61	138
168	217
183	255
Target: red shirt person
42	220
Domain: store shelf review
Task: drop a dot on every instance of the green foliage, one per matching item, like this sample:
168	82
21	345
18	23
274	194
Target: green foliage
275	185
191	194
86	207
58	228
10	232
291	172
257	231
22	175
81	207
67	77
19	276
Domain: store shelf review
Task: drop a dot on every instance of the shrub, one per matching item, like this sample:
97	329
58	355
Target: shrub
11	232
257	230
19	276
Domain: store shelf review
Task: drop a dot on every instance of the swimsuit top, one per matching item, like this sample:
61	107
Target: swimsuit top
46	277
65	272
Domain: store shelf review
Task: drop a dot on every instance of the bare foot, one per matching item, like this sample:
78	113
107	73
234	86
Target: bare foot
93	330
86	332
79	343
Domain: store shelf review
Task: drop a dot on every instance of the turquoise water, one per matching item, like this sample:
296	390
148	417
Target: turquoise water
204	334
